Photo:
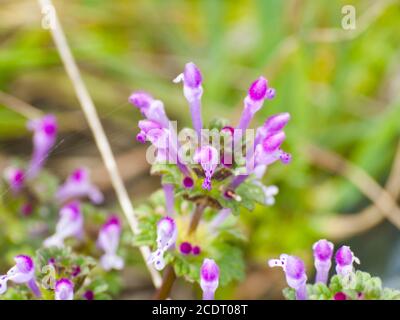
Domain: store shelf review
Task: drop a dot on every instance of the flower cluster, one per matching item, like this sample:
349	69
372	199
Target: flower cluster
323	251
212	176
68	198
44	138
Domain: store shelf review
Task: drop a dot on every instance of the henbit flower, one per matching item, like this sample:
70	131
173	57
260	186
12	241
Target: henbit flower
344	261
295	272
160	137
323	251
209	278
142	100
64	289
78	185
272	125
254	100
208	158
166	237
22	272
164	133
269	151
152	109
169	198
70	224
44	138
15	178
192	90
108	241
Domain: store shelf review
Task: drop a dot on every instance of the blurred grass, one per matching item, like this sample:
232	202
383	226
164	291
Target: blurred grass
342	95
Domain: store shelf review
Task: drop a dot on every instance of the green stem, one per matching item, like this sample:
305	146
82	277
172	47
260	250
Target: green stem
167	283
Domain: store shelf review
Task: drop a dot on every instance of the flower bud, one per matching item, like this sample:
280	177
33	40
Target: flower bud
209	278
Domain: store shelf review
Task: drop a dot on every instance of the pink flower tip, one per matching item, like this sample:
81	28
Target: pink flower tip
192	76
141	99
258	89
274	141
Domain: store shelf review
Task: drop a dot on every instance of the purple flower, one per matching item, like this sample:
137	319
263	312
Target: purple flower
257	93
78	185
142	100
273	125
157	129
323	251
108	241
269	151
70	224
208	158
44	138
22	272
161	139
15	178
192	91
295	272
166	238
344	261
64	289
152	109
209	278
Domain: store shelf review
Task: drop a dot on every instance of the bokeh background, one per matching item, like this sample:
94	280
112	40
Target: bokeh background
340	86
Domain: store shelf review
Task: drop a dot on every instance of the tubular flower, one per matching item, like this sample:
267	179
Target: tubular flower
257	93
192	90
272	125
209	278
169	197
70	224
208	158
161	139
15	178
157	129
78	185
266	149
108	241
269	151
344	261
44	138
295	272
166	238
22	272
150	108
323	251
64	289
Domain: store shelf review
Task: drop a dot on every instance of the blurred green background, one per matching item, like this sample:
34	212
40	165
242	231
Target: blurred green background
340	86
